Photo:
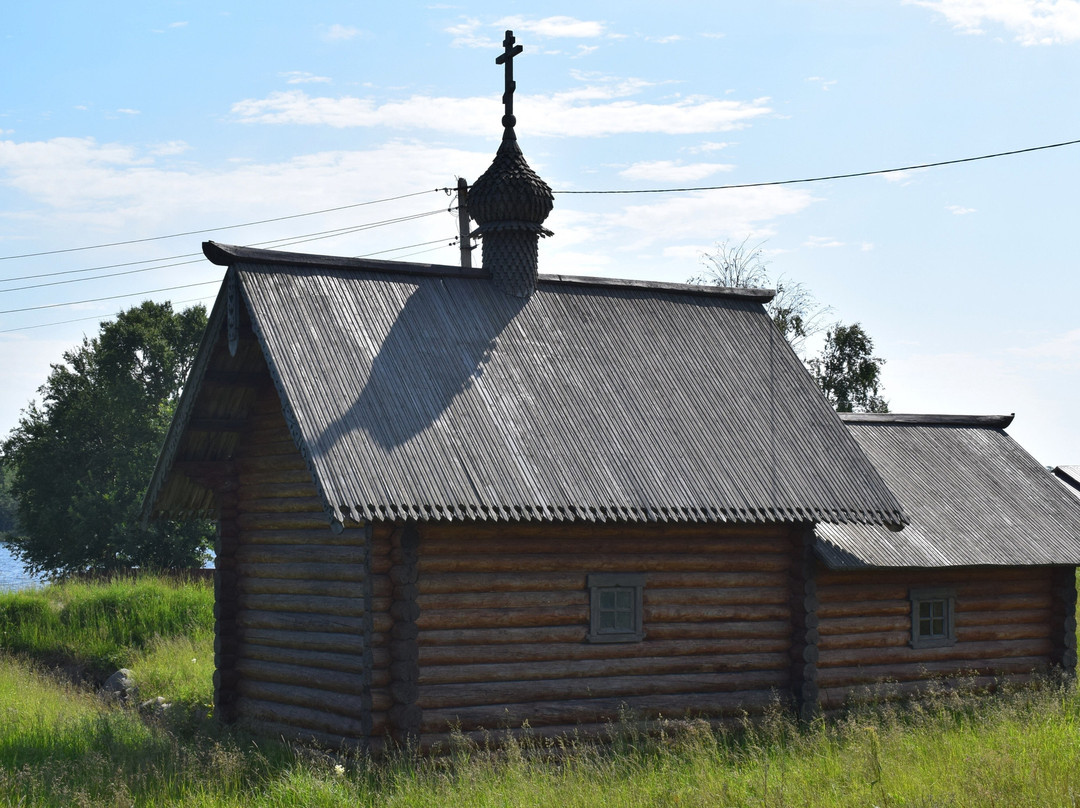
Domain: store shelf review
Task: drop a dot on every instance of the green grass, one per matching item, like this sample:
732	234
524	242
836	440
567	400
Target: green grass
91	629
61	745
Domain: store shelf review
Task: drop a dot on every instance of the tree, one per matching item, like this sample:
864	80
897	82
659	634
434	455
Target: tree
8	506
848	372
793	308
81	461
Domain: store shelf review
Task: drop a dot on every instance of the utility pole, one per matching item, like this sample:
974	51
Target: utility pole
464	242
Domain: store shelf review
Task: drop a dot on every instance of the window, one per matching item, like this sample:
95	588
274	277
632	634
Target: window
615	607
932	623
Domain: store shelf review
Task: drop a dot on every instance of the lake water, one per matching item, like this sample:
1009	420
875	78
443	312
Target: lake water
11	573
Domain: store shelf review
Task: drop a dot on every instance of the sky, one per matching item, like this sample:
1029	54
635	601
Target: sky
132	121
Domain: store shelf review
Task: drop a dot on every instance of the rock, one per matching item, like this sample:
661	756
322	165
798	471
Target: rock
120	687
155	706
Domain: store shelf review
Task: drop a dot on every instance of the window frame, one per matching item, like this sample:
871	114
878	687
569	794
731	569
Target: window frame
945	595
611	581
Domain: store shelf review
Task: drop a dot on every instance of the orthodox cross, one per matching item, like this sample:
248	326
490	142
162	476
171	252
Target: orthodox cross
507	58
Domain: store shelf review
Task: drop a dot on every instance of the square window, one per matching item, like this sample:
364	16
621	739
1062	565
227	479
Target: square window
932	622
615	610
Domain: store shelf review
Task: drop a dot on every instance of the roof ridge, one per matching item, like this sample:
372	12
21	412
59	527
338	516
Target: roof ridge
228	254
925	419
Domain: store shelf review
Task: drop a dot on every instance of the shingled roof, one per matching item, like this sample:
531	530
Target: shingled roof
424	392
973	496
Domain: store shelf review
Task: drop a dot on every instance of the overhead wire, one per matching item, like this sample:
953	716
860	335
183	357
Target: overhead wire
223	227
831	176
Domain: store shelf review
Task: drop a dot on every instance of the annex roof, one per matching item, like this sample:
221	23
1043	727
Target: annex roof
1070	475
973	496
423	392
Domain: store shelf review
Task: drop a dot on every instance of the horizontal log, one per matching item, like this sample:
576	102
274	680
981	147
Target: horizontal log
868	591
463	654
308	571
270	463
867	639
329	660
660	533
305	676
290	586
305	554
717	629
970	633
583	668
303	488
959	651
321	534
280	504
940	576
859	625
715	596
306	604
840	677
436	697
547	713
274	448
253	475
499	618
289	733
311	718
878	608
996	618
639	541
291	621
502	600
699	614
432	583
1004	604
643	563
253	522
835	697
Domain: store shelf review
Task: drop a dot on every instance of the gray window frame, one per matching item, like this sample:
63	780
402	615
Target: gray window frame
600	582
942	594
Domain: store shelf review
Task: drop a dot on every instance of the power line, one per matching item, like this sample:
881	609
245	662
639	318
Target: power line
281	242
215	229
93	317
110	297
831	177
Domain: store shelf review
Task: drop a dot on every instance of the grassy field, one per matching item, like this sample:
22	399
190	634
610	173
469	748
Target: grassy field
61	745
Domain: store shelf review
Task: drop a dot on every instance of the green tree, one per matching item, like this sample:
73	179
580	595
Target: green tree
794	310
8	506
848	372
82	459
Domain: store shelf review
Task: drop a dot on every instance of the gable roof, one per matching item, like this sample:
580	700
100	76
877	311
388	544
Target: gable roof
972	494
1070	475
423	392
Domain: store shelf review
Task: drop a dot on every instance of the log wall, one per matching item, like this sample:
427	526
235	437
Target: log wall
502	614
301	653
1003	619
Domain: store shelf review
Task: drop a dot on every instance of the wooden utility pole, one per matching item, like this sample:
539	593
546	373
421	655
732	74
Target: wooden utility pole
464	242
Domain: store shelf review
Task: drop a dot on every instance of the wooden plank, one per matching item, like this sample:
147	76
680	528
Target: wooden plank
592	563
306	604
502	654
287	621
611	667
313	571
305	676
596	710
638	540
433	583
284	521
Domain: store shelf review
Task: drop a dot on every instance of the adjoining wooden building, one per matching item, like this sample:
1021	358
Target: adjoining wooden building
475	498
981	582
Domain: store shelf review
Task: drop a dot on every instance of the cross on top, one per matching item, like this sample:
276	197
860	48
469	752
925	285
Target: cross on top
507	58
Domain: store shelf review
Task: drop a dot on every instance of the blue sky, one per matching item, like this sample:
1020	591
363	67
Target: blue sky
125	121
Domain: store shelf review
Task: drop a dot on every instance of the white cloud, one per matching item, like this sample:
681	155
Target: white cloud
672	171
178	24
706	147
126	111
823	241
170	148
1061	352
558	26
1032	22
665	40
959	210
466	34
303	77
585	50
826	84
560	114
708	35
337	32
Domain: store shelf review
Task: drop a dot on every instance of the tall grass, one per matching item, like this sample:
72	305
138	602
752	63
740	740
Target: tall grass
61	745
93	628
